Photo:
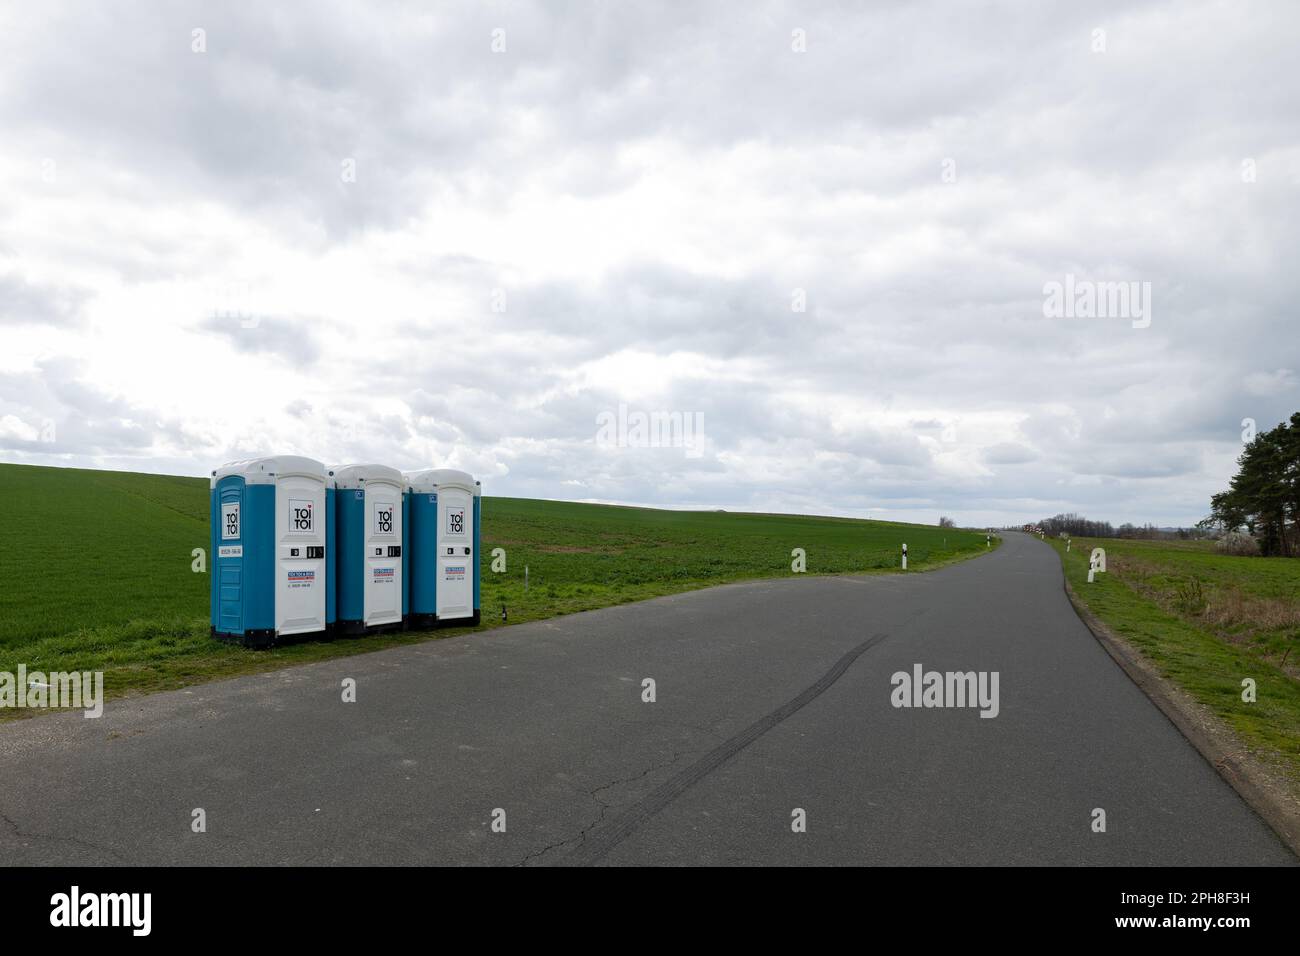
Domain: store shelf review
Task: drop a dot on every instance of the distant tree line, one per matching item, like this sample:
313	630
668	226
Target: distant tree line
1264	496
1077	526
1150	532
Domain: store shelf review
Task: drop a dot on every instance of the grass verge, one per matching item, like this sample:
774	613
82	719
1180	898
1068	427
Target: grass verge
1195	616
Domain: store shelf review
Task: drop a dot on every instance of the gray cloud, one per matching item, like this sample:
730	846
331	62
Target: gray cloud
54	413
289	340
29	303
651	188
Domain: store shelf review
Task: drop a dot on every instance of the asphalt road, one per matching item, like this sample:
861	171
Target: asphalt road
770	697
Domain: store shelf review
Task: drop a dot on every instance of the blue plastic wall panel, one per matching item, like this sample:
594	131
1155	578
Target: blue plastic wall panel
478	558
350	537
259	557
331	598
423	561
406	554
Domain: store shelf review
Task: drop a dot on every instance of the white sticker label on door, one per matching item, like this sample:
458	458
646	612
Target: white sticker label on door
229	520
302	579
301	516
384	517
231	551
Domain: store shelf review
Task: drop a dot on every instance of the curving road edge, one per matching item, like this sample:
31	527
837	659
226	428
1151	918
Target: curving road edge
1254	782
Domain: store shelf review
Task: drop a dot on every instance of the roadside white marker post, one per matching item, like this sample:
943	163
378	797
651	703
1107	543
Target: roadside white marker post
904	556
525	579
1067	545
988	541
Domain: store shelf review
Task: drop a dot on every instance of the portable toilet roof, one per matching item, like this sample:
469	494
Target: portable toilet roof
431	479
264	471
356	476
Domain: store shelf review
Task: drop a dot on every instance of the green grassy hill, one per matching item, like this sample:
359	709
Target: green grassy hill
95	568
94	548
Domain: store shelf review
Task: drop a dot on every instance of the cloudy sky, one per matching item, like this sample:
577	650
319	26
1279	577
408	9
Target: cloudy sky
459	234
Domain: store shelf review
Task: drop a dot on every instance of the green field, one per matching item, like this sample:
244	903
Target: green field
1208	621
95	569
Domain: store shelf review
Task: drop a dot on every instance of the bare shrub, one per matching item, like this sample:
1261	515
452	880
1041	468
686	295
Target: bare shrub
1233	609
1237	543
1189	596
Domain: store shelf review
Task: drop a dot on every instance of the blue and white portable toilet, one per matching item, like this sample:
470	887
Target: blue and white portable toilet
270	542
370	528
444	562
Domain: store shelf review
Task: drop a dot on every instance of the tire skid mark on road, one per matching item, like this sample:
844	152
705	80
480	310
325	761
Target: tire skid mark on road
603	839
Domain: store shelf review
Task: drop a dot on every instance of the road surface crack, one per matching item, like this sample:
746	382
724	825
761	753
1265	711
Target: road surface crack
594	794
22	835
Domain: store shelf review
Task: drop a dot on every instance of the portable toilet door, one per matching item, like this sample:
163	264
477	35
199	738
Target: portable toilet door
445	509
270	570
370	579
422	554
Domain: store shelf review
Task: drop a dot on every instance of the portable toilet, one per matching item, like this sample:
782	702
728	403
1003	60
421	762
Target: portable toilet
370	528
444	567
270	542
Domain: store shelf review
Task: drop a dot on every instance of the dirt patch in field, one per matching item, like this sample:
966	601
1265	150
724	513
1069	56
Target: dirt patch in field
570	549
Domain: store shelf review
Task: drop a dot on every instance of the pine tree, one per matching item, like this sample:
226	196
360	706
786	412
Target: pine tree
1264	495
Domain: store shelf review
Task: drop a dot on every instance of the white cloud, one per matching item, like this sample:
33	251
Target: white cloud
621	209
